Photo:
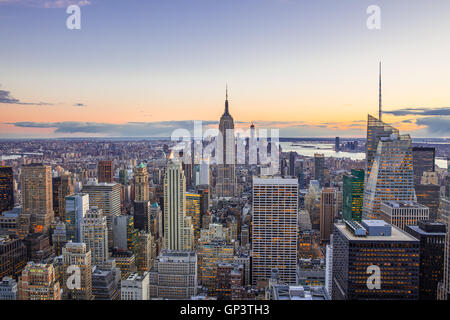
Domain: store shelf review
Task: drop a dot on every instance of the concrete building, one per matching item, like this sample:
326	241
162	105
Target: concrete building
174	275
77	260
403	213
135	287
38	282
94	233
8	289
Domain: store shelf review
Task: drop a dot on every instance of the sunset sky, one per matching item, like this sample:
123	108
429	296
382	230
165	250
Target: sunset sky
144	68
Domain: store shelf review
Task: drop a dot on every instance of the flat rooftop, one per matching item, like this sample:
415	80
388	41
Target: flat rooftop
396	235
404	204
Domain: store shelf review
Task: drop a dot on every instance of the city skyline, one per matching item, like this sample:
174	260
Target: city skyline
145	69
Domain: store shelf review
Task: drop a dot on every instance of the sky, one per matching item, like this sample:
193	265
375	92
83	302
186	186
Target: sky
144	68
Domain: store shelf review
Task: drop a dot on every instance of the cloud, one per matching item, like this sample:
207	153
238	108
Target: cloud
166	128
436	125
79	105
420	111
47	3
5	97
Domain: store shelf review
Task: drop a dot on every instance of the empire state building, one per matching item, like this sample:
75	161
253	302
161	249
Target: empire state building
226	177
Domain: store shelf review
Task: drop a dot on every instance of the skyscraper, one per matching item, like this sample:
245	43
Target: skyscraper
37	202
226	177
76	256
6	189
403	213
94	233
275	224
353	194
178	230
141	191
105	196
105	171
391	176
319	168
77	205
432	244
327	213
359	249
292	157
62	187
193	201
423	161
376	129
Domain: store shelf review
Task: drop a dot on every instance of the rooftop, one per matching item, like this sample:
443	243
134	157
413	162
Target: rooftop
396	234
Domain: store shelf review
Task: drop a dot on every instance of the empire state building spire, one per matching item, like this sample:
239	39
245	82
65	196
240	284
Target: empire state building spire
226	100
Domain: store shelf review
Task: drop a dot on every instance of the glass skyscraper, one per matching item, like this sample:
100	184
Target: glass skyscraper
353	194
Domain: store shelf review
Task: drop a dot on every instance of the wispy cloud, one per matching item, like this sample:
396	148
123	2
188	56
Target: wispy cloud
436	125
5	97
79	105
166	128
420	111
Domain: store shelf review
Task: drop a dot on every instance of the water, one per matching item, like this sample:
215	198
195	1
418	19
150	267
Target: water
309	149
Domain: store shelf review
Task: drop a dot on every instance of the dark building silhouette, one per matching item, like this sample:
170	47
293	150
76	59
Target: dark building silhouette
6	189
432	245
423	160
13	257
357	248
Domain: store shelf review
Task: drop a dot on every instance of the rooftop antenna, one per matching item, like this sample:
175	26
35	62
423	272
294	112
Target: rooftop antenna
379	97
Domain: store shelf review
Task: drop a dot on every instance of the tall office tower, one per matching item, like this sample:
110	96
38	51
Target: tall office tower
195	176
178	231
77	261
62	187
423	161
203	191
141	191
104	286
319	168
77	205
226	174
145	251
105	171
8	289
329	269
105	196
428	193
327	213
135	287
94	233
123	177
376	129
156	223
391	177
244	260
141	215
6	189
337	144
292	157
353	194
124	233
403	213
275	223
38	282
37	203
432	244
193	201
13	256
210	254
299	173
359	250
444	286
59	237
229	281
204	173
447	187
174	275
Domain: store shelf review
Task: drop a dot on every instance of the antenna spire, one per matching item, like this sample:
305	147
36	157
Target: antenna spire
379	96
